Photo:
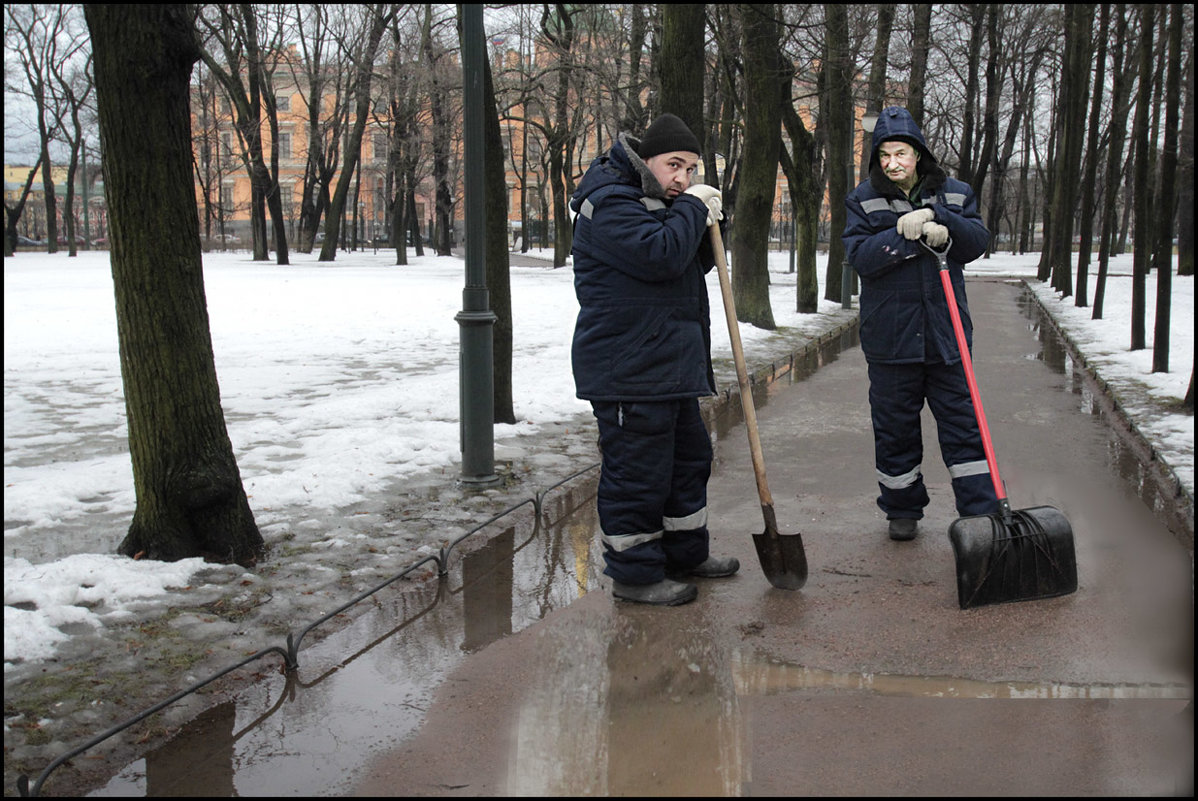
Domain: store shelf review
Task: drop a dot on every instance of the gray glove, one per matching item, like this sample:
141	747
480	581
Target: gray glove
711	198
935	234
910	225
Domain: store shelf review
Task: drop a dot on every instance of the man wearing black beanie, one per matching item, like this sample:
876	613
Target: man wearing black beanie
667	134
642	357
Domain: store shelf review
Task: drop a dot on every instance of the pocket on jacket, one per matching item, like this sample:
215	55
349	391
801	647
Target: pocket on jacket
891	325
650	350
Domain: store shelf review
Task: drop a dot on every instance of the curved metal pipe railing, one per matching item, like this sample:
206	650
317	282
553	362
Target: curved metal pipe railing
290	652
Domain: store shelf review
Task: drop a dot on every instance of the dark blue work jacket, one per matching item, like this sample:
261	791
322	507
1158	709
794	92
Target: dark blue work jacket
643	330
904	315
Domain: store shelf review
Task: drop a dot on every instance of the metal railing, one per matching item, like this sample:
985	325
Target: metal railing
290	653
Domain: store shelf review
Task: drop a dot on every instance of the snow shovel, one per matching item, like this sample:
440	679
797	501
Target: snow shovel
1020	555
782	557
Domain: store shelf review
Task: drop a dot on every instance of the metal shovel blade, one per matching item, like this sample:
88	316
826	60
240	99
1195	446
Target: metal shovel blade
782	556
1024	555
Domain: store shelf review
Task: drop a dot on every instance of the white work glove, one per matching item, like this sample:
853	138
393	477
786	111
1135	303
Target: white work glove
935	234
910	225
711	198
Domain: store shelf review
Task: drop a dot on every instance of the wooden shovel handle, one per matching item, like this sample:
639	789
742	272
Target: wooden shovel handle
742	374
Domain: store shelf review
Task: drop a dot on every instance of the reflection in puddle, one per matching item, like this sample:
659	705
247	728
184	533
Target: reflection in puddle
624	706
762	677
367	687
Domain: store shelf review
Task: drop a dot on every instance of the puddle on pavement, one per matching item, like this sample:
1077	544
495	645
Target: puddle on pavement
766	677
363	690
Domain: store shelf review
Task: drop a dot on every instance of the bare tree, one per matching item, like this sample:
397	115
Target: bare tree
1116	134
800	164
759	170
190	499
559	30
1089	189
1163	256
838	118
1055	258
377	19
318	84
12	213
1141	137
1185	173
921	43
438	101
245	69
37	35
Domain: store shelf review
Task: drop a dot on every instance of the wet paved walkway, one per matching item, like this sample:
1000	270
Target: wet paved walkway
518	675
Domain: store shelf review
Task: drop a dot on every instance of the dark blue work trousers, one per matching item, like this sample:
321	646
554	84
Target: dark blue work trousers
652	495
897	393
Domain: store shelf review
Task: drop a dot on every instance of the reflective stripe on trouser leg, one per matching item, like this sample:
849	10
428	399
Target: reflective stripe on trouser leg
685	519
652	488
895	404
960	440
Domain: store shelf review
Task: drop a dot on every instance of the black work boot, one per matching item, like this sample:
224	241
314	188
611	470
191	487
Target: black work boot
713	567
903	529
663	593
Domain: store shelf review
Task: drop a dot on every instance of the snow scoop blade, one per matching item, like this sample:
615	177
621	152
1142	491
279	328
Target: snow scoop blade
1024	555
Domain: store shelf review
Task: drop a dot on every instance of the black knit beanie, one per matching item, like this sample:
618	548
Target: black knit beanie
667	134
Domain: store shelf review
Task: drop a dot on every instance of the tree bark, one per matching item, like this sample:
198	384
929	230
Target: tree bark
1164	220
682	63
190	499
1142	247
921	44
1185	179
759	171
1120	92
839	122
1089	189
799	166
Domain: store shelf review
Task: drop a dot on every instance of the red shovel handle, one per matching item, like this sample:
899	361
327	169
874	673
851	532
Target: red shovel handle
967	362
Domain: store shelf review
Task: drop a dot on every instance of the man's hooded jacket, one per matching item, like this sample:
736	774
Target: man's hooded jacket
643	330
904	316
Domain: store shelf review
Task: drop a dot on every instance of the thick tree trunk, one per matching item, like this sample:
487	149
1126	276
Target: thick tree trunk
1142	247
839	122
190	500
755	198
1163	257
805	199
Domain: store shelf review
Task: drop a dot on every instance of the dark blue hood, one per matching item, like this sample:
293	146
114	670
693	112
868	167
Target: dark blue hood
896	123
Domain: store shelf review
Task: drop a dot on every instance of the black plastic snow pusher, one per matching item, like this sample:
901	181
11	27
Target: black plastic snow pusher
782	557
1020	555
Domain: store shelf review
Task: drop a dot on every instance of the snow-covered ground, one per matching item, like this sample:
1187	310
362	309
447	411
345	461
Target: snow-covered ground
339	380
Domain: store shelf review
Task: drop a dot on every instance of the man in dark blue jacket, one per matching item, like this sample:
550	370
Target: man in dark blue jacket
642	357
907	205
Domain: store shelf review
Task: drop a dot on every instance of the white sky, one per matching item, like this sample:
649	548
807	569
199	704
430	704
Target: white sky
336	378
